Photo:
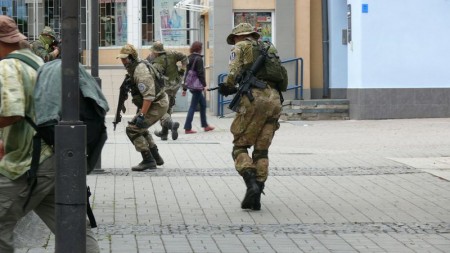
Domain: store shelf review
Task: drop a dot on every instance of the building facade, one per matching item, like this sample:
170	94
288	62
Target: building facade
387	58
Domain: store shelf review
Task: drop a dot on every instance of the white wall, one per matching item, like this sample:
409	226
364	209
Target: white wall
337	21
400	44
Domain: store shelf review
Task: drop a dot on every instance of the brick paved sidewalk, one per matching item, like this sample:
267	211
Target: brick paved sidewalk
334	186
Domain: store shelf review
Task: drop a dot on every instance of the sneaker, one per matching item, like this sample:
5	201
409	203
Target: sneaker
209	128
190	131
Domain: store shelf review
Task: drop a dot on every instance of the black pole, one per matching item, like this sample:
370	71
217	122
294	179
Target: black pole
70	144
325	49
94	40
94	59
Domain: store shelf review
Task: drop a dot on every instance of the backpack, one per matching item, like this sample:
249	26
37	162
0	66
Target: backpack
273	70
160	78
92	108
47	102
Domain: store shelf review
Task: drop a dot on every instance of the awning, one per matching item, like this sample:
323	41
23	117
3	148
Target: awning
193	5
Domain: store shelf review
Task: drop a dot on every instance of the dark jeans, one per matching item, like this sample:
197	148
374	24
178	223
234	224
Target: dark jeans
197	98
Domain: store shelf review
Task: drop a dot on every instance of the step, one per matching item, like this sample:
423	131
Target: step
316	109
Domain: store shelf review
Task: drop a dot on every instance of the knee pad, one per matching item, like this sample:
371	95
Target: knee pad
239	150
259	154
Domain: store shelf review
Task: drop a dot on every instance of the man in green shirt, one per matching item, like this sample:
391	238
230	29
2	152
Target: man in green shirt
17	80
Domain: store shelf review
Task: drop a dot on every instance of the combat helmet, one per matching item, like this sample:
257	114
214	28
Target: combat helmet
242	29
126	50
157	47
49	32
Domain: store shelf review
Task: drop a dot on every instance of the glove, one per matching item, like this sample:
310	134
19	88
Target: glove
225	90
140	121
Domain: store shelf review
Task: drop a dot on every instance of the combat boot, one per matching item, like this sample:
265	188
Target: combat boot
252	189
174	129
257	203
148	162
163	133
155	154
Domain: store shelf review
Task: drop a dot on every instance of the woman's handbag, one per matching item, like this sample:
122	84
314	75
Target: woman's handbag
191	81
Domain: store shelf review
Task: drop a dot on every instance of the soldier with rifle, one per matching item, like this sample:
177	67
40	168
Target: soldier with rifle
47	46
143	81
257	106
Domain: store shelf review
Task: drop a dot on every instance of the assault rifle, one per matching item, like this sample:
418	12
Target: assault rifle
123	96
248	80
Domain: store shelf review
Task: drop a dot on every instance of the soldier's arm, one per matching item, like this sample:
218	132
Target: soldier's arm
182	58
235	65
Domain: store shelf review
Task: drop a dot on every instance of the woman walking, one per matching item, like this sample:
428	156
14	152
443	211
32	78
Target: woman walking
196	64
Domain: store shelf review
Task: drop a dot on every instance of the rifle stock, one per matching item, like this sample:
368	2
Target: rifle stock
123	96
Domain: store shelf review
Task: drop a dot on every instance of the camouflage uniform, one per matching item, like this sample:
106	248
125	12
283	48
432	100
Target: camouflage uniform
256	122
144	88
44	47
17	81
166	63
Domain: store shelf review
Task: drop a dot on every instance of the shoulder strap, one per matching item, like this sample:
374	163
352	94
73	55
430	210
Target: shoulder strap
193	64
24	59
35	157
167	64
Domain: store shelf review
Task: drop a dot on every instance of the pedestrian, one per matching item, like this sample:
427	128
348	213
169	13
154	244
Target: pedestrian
17	81
47	46
166	61
195	60
256	121
151	100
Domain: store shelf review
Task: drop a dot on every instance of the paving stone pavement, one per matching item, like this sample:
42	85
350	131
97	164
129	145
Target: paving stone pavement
334	186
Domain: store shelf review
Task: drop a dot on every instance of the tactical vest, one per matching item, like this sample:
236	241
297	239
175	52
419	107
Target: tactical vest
137	98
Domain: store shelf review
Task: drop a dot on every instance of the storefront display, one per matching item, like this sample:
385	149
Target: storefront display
262	21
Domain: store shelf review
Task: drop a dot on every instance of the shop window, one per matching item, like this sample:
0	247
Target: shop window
148	21
262	21
113	22
170	24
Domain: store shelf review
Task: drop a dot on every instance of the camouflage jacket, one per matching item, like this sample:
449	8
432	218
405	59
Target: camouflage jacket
144	80
43	50
166	63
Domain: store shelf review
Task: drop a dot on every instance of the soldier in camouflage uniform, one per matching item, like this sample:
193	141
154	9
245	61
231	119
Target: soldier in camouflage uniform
166	63
47	45
17	81
151	100
256	121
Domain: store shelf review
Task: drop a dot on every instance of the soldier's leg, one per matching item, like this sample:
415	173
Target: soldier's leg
153	149
245	167
164	132
245	128
136	136
261	159
170	123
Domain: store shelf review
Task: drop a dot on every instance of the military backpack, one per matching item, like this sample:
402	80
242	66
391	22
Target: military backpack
272	71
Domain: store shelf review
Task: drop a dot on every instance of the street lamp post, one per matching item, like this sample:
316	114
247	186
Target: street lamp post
70	144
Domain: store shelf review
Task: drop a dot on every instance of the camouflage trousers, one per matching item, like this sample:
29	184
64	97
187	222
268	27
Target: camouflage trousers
13	194
141	137
254	126
167	117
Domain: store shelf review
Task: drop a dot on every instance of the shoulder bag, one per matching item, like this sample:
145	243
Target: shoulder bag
191	81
